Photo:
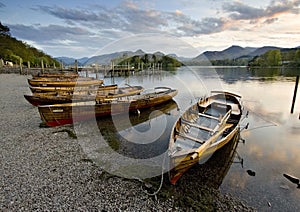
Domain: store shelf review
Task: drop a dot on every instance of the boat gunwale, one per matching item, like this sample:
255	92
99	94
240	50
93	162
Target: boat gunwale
116	100
217	144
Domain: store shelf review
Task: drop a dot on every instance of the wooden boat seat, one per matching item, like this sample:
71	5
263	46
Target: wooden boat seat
205	115
209	116
196	125
189	137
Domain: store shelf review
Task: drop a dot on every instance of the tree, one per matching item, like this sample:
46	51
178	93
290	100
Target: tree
274	57
145	58
4	30
154	58
297	56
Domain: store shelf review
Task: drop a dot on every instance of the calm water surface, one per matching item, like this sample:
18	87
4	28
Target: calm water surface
272	141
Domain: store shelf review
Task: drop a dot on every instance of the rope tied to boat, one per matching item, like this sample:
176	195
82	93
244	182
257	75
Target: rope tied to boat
161	180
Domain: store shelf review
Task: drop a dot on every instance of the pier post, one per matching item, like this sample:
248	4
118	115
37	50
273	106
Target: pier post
28	67
21	67
295	94
61	65
1	63
42	66
76	66
97	71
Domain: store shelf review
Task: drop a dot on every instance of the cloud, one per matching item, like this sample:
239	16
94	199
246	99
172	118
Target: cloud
2	5
130	18
60	40
47	33
205	26
92	26
77	15
178	12
240	11
283	6
270	20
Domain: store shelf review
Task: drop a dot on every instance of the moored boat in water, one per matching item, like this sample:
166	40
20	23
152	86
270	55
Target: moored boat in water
72	89
60	114
202	129
56	74
82	95
64	82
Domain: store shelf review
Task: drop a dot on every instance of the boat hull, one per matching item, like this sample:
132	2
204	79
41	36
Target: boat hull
88	95
71	89
186	150
60	114
63	83
182	164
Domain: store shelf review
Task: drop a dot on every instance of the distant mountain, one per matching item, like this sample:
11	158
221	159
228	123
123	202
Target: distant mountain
229	53
71	61
232	53
107	58
66	60
83	60
263	50
159	54
181	59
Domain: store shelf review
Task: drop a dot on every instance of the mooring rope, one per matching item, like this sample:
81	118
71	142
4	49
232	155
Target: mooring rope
161	180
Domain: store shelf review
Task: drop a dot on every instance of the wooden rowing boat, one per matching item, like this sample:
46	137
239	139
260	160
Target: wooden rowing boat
81	95
72	89
64	82
62	78
213	171
60	114
58	74
202	129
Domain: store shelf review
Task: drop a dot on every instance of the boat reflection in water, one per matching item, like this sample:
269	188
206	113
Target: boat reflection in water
140	135
198	187
213	171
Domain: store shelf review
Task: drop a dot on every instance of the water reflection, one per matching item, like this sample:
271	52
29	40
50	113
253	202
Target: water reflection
232	75
134	135
193	190
213	171
272	140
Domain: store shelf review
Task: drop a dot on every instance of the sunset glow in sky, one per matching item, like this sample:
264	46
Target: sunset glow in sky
80	28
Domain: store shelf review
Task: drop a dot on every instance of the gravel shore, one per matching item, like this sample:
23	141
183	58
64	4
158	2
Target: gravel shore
46	169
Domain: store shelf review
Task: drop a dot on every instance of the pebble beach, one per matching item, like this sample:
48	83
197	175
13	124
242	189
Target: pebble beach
46	168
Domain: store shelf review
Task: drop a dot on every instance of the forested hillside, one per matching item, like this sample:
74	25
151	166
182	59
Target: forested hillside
149	59
15	51
284	57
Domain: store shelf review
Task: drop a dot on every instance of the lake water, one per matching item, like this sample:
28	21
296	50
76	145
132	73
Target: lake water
272	140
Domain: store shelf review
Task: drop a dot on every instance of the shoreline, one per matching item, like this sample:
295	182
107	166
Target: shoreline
46	169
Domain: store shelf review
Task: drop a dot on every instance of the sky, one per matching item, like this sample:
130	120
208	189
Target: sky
185	27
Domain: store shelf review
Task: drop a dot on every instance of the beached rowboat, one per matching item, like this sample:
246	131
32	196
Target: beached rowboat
202	129
60	114
58	74
81	95
64	82
72	89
